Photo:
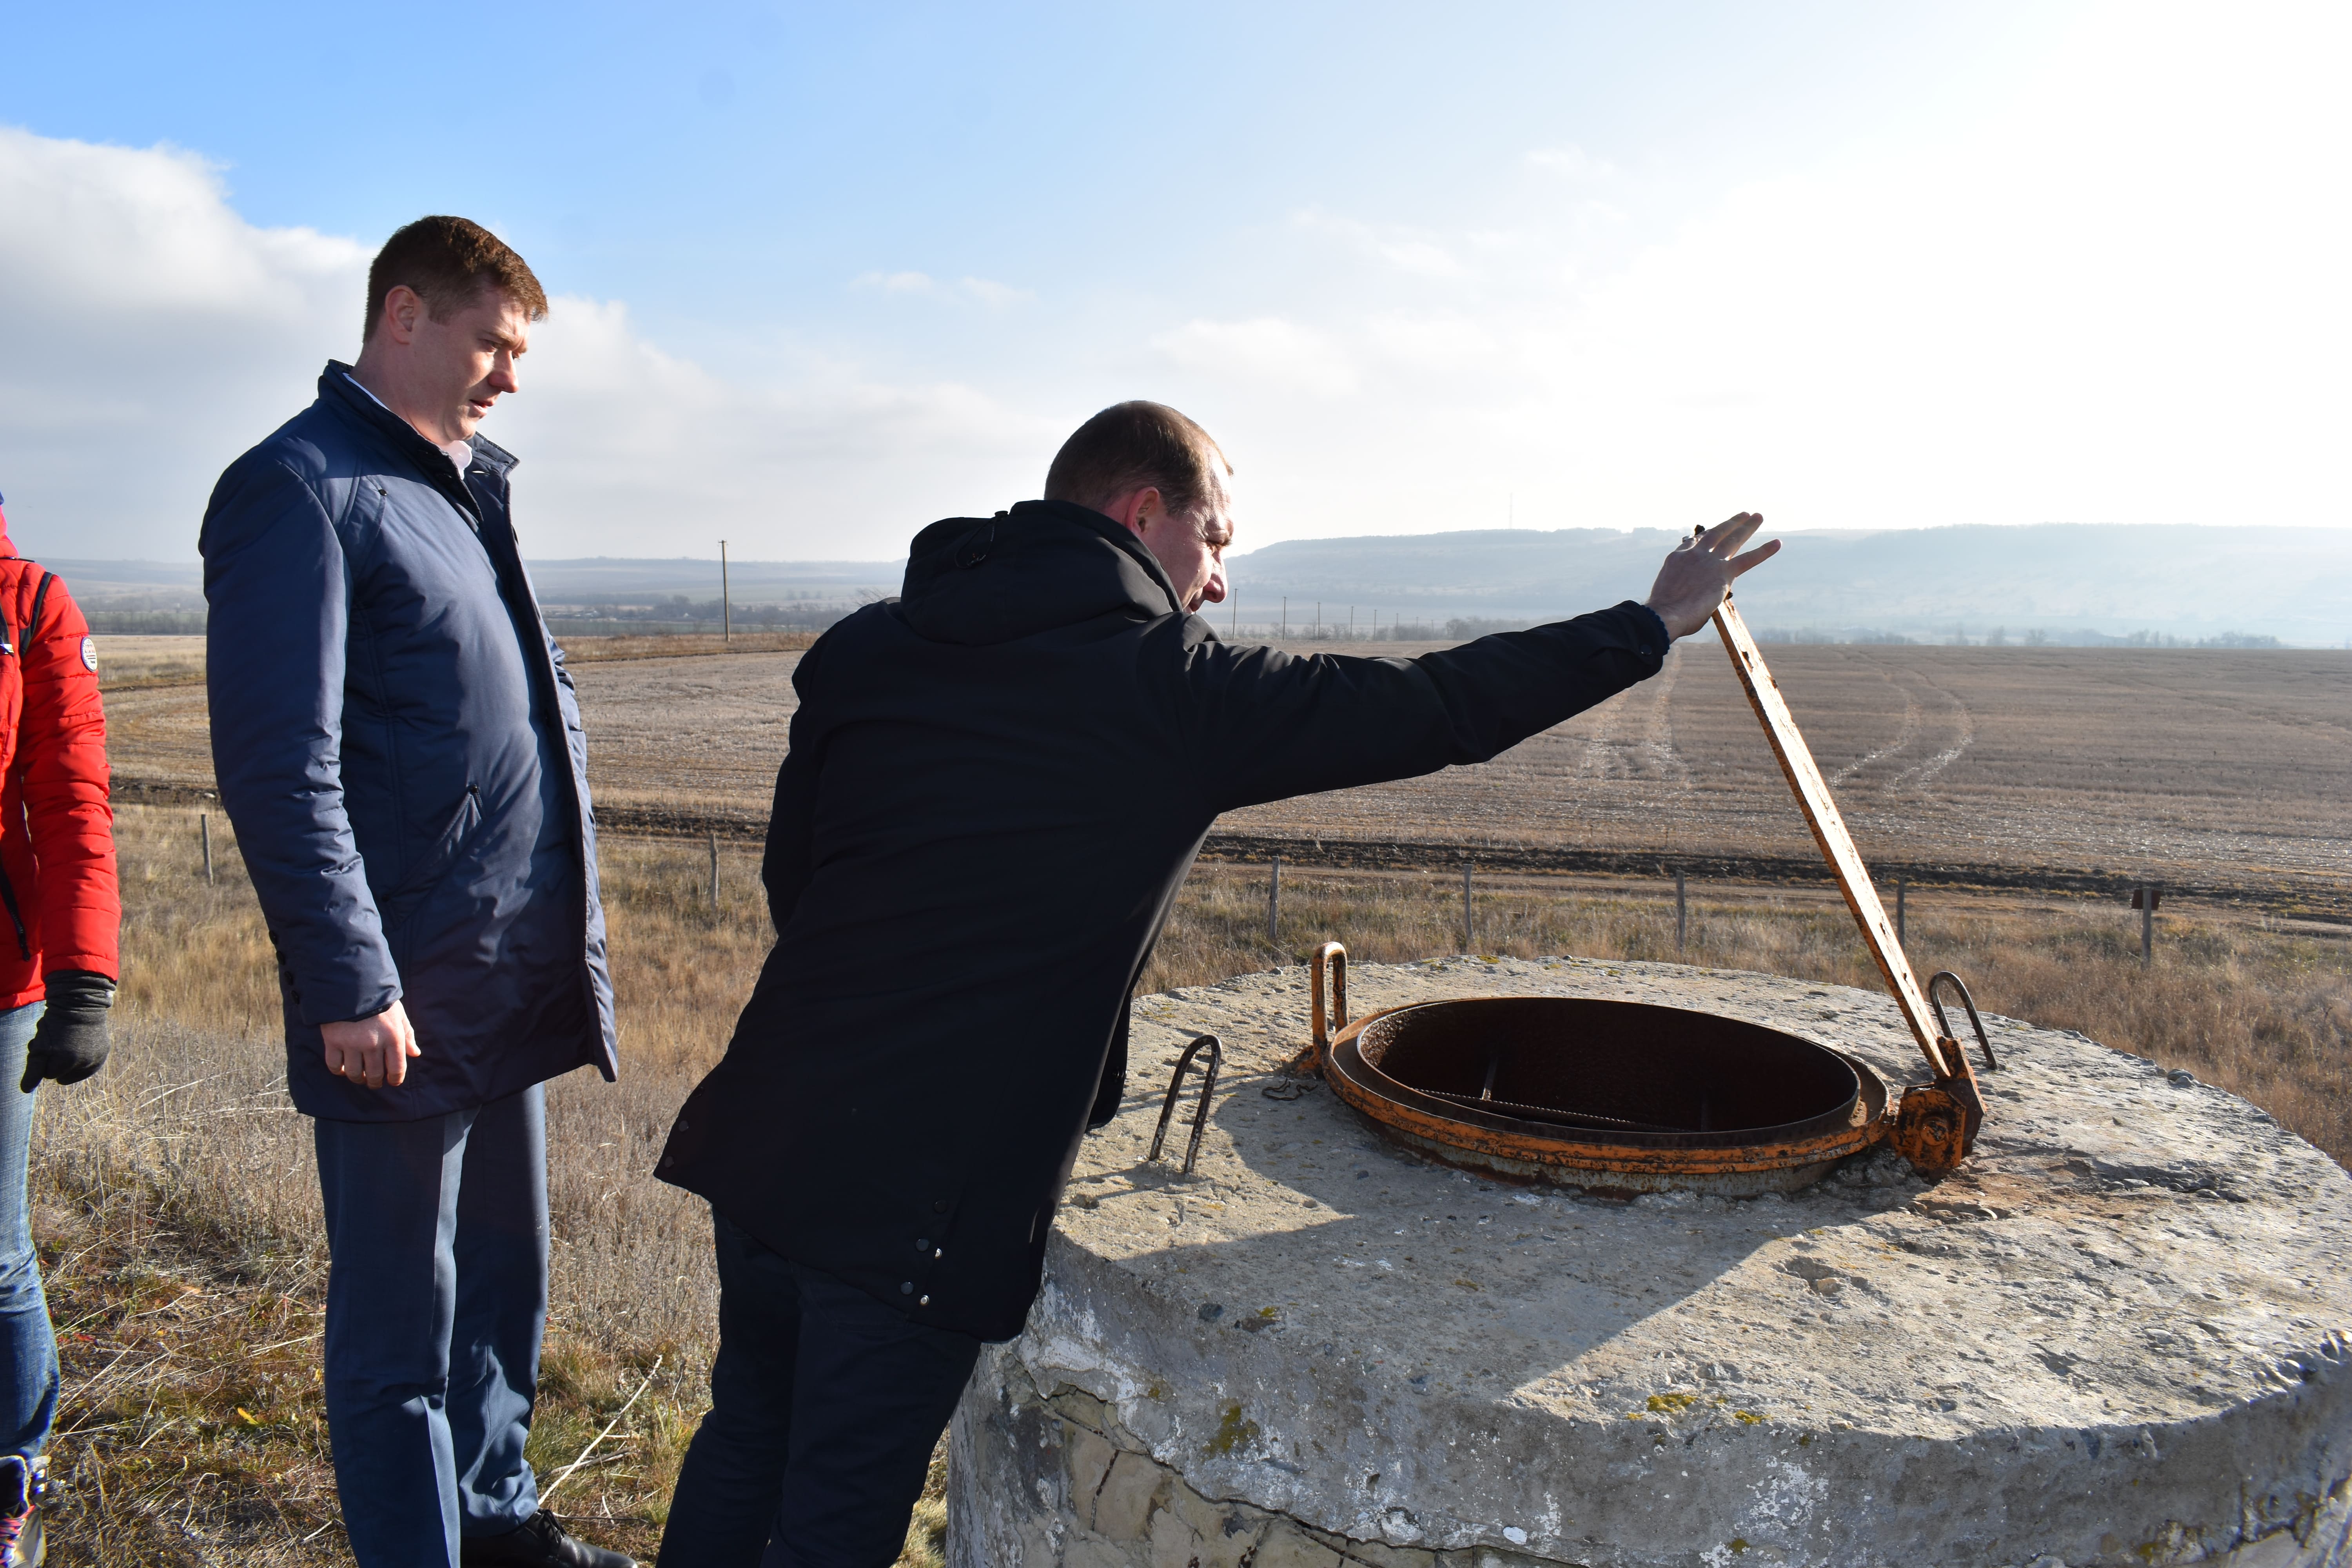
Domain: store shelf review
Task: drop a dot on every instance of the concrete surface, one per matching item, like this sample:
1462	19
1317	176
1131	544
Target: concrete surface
2117	1336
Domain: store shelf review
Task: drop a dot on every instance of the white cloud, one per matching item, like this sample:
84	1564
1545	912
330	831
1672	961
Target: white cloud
148	334
1413	251
1446	341
995	296
898	282
1572	163
1265	350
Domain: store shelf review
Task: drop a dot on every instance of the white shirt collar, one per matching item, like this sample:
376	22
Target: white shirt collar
460	453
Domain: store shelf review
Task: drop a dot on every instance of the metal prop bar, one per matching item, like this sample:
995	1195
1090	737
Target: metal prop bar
1175	1086
1829	831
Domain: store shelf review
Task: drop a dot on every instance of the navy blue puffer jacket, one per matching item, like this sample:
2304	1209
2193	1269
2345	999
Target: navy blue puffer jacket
398	744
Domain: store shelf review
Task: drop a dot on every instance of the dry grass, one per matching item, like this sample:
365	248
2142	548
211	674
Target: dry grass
176	1200
135	663
597	650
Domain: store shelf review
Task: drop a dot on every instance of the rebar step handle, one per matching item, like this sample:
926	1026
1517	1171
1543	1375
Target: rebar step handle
1175	1084
1944	1026
1326	1020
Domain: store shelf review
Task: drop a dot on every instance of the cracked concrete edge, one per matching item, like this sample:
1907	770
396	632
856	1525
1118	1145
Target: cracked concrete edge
1038	1480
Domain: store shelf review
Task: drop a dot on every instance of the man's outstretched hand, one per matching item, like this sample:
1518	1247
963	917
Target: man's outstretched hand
372	1051
1700	572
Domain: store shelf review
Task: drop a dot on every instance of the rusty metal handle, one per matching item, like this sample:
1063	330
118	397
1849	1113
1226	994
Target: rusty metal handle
1328	1022
1967	1000
1208	1087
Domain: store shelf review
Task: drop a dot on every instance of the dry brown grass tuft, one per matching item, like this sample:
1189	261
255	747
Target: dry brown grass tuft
177	1207
594	650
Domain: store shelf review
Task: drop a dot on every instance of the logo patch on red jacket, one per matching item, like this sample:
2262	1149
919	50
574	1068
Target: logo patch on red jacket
90	654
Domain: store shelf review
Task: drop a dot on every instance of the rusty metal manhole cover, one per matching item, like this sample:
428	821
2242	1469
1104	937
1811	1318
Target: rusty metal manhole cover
1607	1094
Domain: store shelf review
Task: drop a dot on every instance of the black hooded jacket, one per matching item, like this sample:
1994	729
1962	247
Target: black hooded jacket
996	784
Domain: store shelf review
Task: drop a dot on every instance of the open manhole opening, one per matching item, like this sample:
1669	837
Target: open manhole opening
1607	1094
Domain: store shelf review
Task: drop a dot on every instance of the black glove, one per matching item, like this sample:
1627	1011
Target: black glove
69	1042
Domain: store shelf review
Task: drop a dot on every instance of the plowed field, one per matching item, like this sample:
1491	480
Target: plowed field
2182	765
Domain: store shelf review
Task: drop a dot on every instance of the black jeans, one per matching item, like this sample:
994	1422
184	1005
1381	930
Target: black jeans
825	1404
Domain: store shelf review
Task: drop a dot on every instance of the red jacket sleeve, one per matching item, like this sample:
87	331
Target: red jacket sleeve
62	764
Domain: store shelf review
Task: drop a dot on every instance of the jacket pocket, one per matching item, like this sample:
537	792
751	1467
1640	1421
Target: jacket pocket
434	866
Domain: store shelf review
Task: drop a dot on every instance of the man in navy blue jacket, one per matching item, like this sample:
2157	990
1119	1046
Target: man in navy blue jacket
398	744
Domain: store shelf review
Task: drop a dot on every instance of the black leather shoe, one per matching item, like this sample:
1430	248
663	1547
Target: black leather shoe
542	1543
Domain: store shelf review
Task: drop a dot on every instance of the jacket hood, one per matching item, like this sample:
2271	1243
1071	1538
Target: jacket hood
1042	565
8	546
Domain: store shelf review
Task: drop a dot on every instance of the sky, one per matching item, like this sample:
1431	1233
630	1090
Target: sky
822	274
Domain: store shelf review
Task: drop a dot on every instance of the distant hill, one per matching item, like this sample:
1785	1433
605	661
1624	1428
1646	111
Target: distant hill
2071	582
2066	581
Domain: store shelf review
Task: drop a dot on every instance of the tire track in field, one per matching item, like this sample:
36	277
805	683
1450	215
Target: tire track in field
1906	730
1964	724
1658	736
1600	757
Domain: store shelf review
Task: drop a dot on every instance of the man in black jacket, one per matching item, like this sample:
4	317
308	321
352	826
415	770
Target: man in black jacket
995	786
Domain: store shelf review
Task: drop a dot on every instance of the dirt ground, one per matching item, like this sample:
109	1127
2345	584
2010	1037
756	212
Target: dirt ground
2131	762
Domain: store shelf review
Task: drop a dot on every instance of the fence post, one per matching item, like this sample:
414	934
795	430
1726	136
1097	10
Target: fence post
1273	900
1469	926
204	833
714	871
2144	898
1898	911
1682	914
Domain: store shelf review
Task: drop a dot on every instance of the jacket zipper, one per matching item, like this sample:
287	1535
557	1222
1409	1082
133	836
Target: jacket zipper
15	915
8	889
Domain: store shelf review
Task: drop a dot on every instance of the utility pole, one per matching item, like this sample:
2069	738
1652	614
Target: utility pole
1285	615
1681	915
726	613
1273	900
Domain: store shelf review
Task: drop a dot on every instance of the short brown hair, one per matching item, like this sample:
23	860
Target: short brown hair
1131	445
449	261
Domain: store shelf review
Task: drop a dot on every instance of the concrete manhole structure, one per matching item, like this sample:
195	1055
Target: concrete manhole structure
2114	1335
1619	1265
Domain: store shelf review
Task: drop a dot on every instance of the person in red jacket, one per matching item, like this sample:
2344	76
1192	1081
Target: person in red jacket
59	915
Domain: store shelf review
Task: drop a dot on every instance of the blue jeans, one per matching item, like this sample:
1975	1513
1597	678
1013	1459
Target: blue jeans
436	1299
824	1405
28	1345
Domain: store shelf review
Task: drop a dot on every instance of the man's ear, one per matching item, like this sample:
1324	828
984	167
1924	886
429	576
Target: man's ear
1143	506
403	305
